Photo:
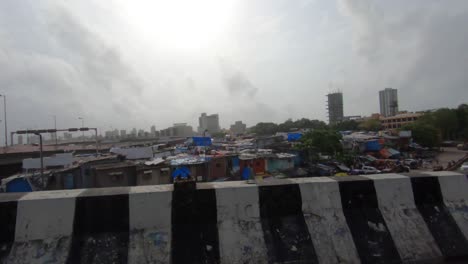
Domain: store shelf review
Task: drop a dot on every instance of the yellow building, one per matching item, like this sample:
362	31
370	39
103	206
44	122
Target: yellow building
397	121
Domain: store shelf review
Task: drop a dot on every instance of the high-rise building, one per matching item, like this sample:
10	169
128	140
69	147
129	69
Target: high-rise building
177	130
123	133
238	128
208	123
335	108
153	131
388	102
108	134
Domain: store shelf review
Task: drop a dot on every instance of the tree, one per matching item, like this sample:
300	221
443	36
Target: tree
462	117
424	134
262	128
323	141
346	125
219	134
447	122
370	125
270	128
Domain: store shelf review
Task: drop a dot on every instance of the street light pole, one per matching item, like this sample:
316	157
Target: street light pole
42	159
55	126
5	119
82	125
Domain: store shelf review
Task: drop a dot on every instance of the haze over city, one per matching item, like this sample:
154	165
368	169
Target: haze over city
125	64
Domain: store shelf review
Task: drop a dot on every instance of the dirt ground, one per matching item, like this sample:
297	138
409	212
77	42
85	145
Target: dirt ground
450	154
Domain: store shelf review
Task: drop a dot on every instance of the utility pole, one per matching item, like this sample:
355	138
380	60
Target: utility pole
55	127
42	159
5	119
82	125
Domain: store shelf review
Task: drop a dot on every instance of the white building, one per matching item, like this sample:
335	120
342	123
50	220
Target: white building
238	128
208	123
177	130
388	102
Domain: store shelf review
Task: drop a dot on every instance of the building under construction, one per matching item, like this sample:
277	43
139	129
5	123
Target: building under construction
335	107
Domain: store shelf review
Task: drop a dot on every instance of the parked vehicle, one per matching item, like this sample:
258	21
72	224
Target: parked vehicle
464	168
321	170
448	143
370	170
462	146
412	163
356	172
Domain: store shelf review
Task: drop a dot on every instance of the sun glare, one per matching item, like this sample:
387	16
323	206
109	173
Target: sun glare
181	24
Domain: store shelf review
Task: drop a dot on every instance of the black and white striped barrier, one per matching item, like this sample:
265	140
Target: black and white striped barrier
387	218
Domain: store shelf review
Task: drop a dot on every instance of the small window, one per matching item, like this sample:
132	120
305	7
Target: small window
146	177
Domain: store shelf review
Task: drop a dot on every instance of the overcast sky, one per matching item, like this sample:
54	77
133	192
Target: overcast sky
125	64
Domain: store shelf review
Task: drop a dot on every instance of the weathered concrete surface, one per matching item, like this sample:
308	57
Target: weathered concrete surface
409	232
44	227
101	226
194	224
285	231
454	187
371	237
445	230
239	225
327	226
372	219
150	224
8	212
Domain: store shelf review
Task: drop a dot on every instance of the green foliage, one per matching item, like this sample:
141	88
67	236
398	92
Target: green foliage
370	125
346	125
462	117
347	158
323	141
446	121
218	135
264	128
450	123
270	128
424	134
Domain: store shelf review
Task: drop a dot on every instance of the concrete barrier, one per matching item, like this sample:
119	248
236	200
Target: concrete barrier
429	200
150	224
387	218
411	236
44	227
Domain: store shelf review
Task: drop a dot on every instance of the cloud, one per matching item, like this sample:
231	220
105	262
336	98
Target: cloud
235	81
417	49
367	23
54	65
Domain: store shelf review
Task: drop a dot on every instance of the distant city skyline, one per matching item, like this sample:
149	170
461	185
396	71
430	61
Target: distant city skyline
130	64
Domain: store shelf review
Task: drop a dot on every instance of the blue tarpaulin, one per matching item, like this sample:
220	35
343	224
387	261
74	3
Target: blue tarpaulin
202	141
182	172
18	185
247	173
294	136
373	145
